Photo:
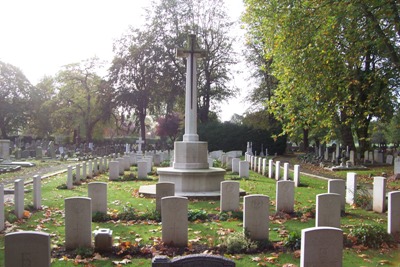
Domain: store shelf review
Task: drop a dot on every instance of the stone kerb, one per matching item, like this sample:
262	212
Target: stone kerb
230	196
379	195
338	186
163	189
321	246
285	196
394	212
174	218
328	210
97	192
256	216
78	222
27	248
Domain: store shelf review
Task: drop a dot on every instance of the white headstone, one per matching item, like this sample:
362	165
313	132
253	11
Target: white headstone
285	196
163	189
230	196
296	175
84	171
379	195
321	246
27	248
270	168
394	212
5	150
351	188
114	170
90	169
78	172
389	159
338	186
277	170
174	217
78	222
37	192
142	169
243	169
285	171
70	181
259	165
19	198
97	192
264	166
328	210
256	216
396	165
235	164
352	158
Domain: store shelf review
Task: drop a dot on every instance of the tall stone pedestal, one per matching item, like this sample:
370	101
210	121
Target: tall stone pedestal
190	172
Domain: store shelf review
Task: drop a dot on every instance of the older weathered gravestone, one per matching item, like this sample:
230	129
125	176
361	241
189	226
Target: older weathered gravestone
78	222
243	169
5	150
379	195
321	246
19	198
328	210
389	159
37	192
103	240
394	212
338	186
163	189
174	218
256	216
230	196
39	153
296	175
285	196
351	188
97	191
194	260
27	248
397	165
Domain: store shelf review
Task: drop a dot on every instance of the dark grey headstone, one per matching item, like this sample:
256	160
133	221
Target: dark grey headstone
198	260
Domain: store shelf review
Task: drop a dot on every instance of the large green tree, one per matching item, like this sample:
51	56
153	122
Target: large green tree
83	99
15	99
336	62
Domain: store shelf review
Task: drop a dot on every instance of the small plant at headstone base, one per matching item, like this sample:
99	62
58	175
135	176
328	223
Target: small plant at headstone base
196	214
11	217
239	242
231	215
100	217
306	212
129	177
363	198
84	252
217	164
293	241
152	215
372	236
165	163
128	213
62	187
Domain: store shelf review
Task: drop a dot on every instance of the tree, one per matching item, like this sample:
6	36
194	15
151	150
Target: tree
334	66
172	20
83	99
136	74
169	126
15	98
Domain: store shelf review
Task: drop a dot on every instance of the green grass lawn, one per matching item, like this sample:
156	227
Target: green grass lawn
142	237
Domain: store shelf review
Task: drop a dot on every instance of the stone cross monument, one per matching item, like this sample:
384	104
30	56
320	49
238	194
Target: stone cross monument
191	53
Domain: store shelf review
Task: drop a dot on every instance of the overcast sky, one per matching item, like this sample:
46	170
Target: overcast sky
40	36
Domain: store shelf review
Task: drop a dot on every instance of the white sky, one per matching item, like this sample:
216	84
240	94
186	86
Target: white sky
40	36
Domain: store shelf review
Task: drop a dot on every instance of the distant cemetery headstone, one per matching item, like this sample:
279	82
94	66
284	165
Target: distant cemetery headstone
2	215
321	246
19	198
5	150
296	175
244	169
27	248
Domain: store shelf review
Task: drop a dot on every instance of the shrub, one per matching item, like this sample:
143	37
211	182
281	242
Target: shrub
128	213
293	241
194	215
100	217
226	215
239	243
363	198
84	252
372	236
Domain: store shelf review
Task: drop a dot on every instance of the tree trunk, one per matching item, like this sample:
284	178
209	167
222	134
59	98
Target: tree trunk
305	140
363	137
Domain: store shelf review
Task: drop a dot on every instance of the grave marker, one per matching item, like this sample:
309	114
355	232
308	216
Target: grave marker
97	192
256	216
351	188
243	169
338	186
78	222
285	196
296	175
230	196
328	210
19	198
174	218
277	170
379	195
37	192
163	189
394	212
